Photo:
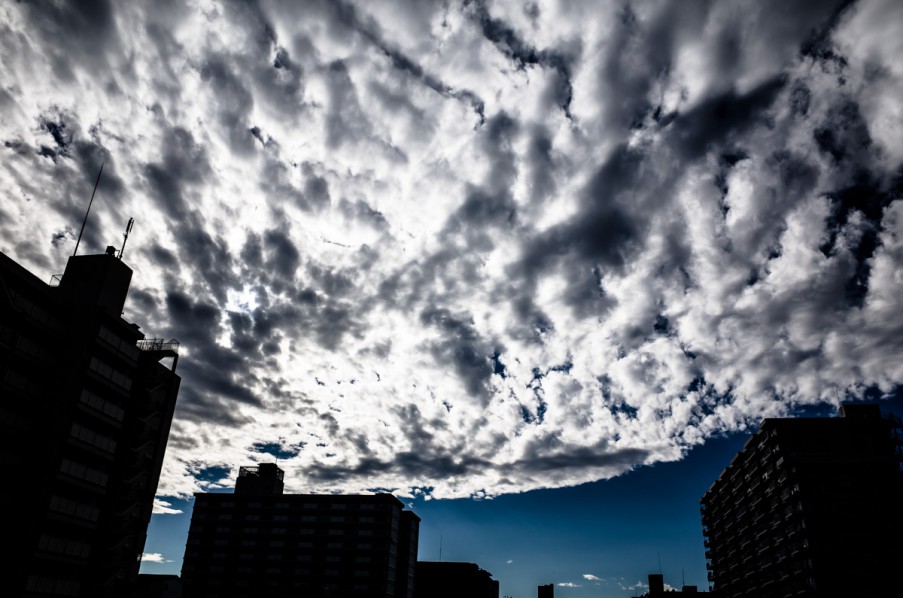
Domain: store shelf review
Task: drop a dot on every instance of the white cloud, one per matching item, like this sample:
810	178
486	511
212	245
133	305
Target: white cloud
591	577
569	584
154	557
162	507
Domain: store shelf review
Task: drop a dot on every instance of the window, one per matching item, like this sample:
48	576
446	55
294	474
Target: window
111	374
33	349
49	585
64	546
74	509
89	436
123	346
83	472
102	406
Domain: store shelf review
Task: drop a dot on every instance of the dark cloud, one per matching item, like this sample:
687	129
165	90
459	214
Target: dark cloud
361	212
522	54
77	32
184	165
866	197
461	345
719	119
844	135
233	101
346	122
580	458
281	256
411	465
278	450
220	375
348	16
604	231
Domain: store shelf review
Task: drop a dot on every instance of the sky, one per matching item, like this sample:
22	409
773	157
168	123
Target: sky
472	252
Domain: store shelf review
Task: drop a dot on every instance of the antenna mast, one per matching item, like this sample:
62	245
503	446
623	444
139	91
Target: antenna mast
88	210
125	237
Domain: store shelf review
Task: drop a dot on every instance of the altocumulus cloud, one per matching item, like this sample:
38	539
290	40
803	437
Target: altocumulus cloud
472	247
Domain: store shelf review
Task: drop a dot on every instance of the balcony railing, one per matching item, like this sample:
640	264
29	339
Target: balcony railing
158	344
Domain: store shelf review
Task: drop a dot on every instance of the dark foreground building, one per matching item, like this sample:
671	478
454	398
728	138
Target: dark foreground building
261	542
441	579
84	419
810	507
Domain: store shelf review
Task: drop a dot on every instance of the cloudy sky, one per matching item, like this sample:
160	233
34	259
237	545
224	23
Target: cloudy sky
468	248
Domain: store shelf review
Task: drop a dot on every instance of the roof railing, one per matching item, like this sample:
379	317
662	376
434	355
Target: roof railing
158	344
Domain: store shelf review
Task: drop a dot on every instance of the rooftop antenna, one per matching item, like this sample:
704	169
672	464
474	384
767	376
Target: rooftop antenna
125	237
87	211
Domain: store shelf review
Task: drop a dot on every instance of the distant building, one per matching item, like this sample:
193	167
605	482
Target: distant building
84	418
156	586
657	588
810	507
446	579
261	542
546	591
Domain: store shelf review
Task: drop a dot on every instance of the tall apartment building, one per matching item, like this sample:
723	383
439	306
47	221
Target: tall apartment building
85	414
810	507
258	541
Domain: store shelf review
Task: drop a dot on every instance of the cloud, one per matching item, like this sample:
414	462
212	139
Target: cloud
154	557
162	507
568	584
467	248
591	577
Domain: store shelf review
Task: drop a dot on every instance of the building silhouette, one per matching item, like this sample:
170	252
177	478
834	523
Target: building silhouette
809	507
447	579
546	591
258	541
85	414
657	588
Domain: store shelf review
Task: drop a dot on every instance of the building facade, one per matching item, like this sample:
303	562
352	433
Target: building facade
85	416
448	579
809	507
258	541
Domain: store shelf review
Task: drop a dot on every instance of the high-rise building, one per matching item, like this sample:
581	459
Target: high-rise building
449	579
85	414
546	591
809	507
258	541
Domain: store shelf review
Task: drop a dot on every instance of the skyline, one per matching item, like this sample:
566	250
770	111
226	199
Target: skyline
471	250
600	539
